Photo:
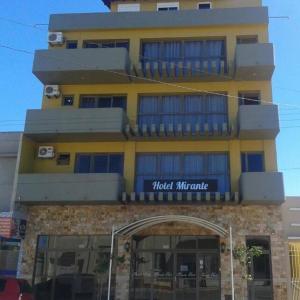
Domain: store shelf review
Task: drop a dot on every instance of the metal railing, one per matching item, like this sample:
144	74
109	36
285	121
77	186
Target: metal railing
294	253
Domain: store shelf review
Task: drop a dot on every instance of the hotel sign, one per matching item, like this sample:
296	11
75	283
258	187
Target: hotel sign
179	185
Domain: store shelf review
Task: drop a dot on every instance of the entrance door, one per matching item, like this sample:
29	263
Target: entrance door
169	273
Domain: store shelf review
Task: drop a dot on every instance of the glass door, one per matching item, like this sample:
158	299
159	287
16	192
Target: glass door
186	276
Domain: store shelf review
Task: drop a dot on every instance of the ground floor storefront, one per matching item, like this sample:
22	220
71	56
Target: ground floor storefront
160	252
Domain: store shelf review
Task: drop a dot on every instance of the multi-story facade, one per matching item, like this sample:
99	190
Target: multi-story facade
157	124
291	221
9	239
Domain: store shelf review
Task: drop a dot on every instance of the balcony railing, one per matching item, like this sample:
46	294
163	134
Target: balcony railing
185	69
69	188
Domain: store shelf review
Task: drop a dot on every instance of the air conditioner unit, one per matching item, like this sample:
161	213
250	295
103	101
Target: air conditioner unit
52	91
46	152
56	38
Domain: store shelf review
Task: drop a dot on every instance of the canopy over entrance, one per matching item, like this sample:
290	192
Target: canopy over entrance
135	227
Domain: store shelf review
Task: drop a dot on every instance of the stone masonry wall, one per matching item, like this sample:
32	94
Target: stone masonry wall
90	220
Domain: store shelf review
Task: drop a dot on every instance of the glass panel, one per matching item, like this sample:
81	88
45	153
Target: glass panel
71	242
101	242
116	163
66	263
84	287
122	45
162	242
185	242
83	163
108	45
100	163
143	276
255	162
119	102
87	102
244	162
144	242
209	271
104	102
63	287
260	242
208	243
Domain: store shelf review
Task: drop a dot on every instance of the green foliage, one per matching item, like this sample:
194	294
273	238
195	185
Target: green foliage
244	255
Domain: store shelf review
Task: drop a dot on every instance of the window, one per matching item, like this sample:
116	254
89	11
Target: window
63	159
196	110
66	267
99	163
168	6
102	102
128	7
247	39
68	100
106	44
213	166
249	98
252	162
201	56
204	5
260	269
71	45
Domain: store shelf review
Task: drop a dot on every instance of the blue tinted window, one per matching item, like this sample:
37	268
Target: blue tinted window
71	44
204	6
252	162
116	163
83	163
104	102
87	102
100	163
119	102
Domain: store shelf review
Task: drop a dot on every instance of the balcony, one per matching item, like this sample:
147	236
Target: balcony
162	19
185	70
254	62
69	188
82	66
262	188
86	124
258	121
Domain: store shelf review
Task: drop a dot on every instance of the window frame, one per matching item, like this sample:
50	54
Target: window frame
247	161
205	2
58	156
98	97
68	42
182	52
167	6
92	162
244	95
64	98
100	42
161	114
242	39
265	252
129	7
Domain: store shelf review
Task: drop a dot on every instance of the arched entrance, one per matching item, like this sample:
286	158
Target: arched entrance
174	266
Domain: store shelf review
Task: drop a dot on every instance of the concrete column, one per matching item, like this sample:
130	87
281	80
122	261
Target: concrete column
129	166
235	164
122	270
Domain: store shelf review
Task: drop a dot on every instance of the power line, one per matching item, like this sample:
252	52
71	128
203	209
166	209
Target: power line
158	81
34	26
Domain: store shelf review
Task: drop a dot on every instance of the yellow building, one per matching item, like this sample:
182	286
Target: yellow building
157	125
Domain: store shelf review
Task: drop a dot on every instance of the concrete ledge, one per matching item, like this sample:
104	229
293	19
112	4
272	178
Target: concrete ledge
254	62
262	188
69	188
162	19
82	66
71	124
258	121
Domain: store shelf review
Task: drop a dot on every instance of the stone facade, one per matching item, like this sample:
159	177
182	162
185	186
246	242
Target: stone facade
90	220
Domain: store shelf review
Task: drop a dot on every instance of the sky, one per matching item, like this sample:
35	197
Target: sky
20	90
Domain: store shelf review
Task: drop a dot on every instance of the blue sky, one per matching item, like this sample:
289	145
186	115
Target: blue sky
20	90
